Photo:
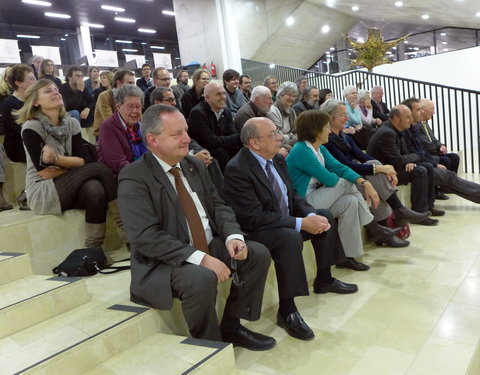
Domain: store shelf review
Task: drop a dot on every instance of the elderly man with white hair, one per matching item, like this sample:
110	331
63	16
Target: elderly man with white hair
258	106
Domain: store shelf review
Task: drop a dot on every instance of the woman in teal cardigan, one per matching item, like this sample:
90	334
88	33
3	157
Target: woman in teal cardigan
328	184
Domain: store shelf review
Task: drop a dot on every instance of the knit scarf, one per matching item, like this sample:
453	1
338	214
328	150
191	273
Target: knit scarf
290	114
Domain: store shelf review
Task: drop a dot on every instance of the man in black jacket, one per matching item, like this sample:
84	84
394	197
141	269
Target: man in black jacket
210	123
379	108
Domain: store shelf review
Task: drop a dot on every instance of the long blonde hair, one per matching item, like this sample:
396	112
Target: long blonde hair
5	88
29	109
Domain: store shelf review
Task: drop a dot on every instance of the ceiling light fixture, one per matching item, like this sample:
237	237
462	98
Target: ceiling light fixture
360	40
112	8
425	16
290	21
58	15
63	39
325	29
477	14
38	2
272	66
168	12
123	41
157	47
129	50
398	4
28	36
332	48
443	34
149	31
123	19
444	43
94	25
355	8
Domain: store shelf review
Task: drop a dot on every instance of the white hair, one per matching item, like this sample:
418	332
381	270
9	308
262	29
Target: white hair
259	91
349	89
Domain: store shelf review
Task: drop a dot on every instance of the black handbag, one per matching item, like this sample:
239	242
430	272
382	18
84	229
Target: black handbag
85	262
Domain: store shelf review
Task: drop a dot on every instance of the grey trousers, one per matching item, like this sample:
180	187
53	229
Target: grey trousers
3	157
463	188
384	189
347	205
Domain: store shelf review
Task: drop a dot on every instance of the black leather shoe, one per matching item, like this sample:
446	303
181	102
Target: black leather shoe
247	339
353	264
441	197
376	231
404	215
7	206
295	326
428	221
437	212
393	242
336	286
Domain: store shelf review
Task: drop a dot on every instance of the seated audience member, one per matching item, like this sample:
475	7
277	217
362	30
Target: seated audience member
379	108
161	78
120	140
235	98
106	103
245	85
210	124
185	240
309	100
78	101
165	96
268	209
36	63
20	78
258	106
388	146
328	184
5	91
181	87
145	82
366	113
354	126
193	96
323	95
382	177
442	177
283	115
47	70
432	145
93	81
272	83
106	83
302	83
4	205
60	174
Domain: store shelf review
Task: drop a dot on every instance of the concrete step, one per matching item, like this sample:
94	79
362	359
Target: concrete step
33	299
14	266
169	354
77	341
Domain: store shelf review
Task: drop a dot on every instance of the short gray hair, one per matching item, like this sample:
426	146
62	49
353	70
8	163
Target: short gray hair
249	131
259	91
348	89
362	94
287	87
127	90
158	93
267	79
376	88
151	120
330	106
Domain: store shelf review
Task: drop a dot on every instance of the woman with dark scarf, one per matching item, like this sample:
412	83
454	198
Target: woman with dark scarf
60	173
283	115
120	140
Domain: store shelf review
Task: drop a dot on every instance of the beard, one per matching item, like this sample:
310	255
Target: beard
313	104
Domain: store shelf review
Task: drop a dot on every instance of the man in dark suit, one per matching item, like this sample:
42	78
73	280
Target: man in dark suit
210	123
379	108
259	190
145	82
388	146
184	239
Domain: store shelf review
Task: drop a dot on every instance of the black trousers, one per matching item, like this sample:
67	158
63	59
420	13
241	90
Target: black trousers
286	244
463	188
450	161
422	194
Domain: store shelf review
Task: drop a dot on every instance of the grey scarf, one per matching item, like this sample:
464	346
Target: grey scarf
290	114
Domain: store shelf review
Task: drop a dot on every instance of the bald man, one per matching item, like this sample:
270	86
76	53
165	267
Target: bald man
210	123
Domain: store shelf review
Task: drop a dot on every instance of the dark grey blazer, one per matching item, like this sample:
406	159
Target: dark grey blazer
156	226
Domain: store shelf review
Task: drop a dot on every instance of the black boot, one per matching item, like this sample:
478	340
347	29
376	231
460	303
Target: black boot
404	215
377	232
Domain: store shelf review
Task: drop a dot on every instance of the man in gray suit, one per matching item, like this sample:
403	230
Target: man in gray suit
184	250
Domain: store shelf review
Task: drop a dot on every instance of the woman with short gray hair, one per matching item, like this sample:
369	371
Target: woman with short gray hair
283	115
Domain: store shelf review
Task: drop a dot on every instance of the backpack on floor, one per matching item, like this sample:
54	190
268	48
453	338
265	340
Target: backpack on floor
392	223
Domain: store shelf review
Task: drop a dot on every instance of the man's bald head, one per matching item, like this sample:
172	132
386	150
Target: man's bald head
428	109
401	117
215	96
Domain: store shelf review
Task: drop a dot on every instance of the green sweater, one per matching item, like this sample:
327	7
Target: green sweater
303	164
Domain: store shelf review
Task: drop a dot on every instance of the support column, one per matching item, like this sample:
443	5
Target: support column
85	43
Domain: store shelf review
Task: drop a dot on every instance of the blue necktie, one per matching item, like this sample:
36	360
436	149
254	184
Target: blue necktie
277	190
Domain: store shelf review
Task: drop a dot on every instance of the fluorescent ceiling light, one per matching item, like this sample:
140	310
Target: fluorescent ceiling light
290	21
129	50
168	12
113	9
123	41
444	42
325	29
123	19
477	14
398	3
94	25
332	48
425	16
28	36
38	2
443	34
355	8
405	42
157	47
58	15
360	40
149	31
144	43
63	39
271	66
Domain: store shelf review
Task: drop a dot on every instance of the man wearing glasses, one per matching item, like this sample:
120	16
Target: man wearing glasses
161	78
183	237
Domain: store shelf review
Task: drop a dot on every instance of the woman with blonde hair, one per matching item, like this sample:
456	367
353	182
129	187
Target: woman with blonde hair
106	83
61	174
